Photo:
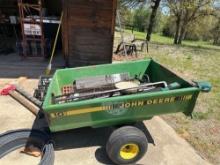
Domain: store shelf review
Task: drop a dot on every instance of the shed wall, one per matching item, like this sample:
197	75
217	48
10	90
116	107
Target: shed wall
88	31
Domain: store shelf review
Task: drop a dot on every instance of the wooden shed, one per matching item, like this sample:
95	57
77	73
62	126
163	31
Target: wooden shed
88	31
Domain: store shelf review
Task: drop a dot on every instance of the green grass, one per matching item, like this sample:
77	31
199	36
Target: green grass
157	38
196	63
193	61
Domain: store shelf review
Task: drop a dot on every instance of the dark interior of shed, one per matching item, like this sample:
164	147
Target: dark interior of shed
11	32
87	28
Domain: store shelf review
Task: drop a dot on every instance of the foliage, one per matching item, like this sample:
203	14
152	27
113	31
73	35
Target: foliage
195	32
160	39
132	3
216	33
181	19
154	4
141	17
187	12
169	27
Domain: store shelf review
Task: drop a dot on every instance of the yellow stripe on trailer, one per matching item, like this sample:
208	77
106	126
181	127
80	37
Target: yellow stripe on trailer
86	110
76	112
123	105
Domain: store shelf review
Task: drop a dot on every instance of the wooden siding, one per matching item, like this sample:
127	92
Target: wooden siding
88	31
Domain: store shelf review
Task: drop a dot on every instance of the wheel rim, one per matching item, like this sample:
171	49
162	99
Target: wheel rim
129	151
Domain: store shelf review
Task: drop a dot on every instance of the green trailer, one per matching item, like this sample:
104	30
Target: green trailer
127	144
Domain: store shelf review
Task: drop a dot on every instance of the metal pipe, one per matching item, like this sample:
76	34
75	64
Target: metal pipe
27	104
28	96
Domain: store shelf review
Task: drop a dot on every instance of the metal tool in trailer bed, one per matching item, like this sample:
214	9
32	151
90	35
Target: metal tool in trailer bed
124	93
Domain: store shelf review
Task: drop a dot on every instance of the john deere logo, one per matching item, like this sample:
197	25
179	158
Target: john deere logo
115	109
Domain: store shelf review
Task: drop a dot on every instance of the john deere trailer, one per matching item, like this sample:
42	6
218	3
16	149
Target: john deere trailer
117	95
127	144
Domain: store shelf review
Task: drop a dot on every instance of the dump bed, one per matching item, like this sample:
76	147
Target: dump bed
99	112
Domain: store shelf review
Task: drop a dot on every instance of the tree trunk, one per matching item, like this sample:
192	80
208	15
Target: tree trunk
216	41
176	37
182	34
152	19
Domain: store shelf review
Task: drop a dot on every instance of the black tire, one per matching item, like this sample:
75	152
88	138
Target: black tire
127	136
10	141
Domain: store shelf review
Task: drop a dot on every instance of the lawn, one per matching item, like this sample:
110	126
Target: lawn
194	61
157	38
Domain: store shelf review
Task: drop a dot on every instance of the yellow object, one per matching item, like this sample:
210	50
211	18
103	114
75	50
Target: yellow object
126	85
129	151
49	67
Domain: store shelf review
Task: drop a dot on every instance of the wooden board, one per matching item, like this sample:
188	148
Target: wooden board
88	31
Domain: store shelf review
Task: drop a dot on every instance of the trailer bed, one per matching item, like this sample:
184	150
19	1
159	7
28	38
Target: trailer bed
100	112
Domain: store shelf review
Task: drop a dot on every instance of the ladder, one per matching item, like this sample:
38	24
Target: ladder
31	20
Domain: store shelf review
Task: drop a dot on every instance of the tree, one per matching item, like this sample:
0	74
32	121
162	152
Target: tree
201	29
216	29
140	19
186	12
154	5
216	34
126	15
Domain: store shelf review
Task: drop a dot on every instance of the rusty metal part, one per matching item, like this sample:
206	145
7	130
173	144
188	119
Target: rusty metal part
28	96
67	89
26	103
32	104
32	151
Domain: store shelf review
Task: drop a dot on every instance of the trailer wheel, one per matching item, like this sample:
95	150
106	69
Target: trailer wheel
126	145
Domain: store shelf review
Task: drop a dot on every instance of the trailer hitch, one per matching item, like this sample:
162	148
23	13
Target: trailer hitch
6	90
204	86
28	101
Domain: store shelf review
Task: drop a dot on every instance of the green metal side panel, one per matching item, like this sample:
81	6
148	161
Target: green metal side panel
118	110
